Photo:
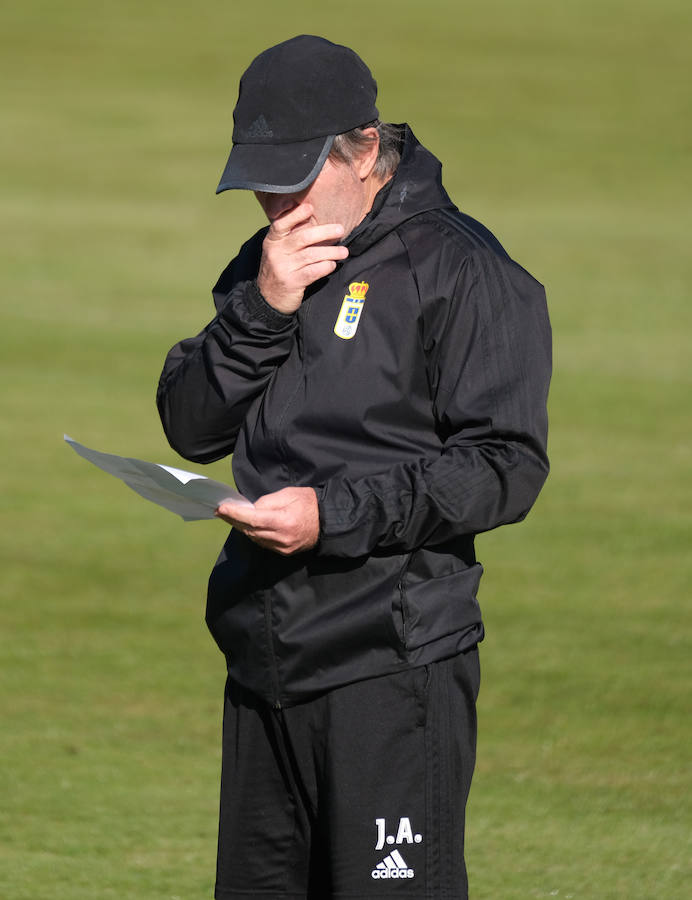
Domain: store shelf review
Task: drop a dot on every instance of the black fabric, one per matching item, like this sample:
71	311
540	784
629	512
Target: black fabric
304	790
422	427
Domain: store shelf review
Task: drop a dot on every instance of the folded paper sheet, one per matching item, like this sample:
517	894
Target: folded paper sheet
187	494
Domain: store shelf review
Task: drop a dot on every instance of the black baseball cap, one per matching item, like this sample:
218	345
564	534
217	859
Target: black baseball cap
294	99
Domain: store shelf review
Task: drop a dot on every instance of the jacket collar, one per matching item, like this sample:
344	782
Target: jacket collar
416	187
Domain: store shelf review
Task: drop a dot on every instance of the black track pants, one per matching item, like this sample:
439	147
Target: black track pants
359	793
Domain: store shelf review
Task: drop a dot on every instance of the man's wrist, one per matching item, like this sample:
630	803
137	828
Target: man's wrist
262	309
286	305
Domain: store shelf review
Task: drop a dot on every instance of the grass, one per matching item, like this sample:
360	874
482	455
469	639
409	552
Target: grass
565	128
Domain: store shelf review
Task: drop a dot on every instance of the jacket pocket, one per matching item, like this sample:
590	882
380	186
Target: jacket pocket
433	606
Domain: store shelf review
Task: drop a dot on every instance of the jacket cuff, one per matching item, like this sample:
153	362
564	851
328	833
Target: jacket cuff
346	529
261	310
327	543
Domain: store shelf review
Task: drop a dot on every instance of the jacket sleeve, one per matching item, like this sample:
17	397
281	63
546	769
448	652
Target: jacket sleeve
209	381
488	351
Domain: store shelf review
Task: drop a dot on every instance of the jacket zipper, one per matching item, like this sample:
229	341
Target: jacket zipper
283	450
281	430
402	596
273	663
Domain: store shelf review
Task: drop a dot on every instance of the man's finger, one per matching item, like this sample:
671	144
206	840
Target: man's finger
318	254
284	224
238	512
317	235
261	522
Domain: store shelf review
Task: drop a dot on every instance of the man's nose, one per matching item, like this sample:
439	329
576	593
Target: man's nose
275	205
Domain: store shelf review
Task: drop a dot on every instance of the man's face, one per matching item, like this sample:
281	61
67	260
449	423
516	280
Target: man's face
337	196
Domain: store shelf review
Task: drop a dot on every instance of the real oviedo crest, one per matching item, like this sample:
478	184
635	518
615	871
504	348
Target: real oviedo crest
351	310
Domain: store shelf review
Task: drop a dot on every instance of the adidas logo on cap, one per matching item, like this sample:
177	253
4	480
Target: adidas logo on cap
393	866
260	128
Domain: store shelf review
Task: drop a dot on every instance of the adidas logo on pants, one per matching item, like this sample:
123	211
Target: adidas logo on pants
392	867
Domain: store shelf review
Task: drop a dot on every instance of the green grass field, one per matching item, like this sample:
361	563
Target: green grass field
563	126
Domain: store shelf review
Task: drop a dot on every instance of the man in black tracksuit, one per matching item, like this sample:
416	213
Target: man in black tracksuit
379	368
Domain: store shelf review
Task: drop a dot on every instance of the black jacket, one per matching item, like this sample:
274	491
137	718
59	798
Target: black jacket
420	427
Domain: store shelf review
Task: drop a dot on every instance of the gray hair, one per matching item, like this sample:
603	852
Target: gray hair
348	146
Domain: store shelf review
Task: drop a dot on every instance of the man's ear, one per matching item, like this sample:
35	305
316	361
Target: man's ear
367	159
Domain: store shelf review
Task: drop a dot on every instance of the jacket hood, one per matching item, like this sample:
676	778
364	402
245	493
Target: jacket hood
416	187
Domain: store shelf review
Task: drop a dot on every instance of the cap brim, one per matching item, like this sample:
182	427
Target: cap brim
275	168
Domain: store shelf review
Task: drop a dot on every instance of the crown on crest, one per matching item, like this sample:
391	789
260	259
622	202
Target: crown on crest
358	289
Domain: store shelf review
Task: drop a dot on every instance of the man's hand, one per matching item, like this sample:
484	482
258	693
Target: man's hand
286	521
296	254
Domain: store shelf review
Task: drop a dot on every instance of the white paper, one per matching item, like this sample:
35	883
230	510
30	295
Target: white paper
187	494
